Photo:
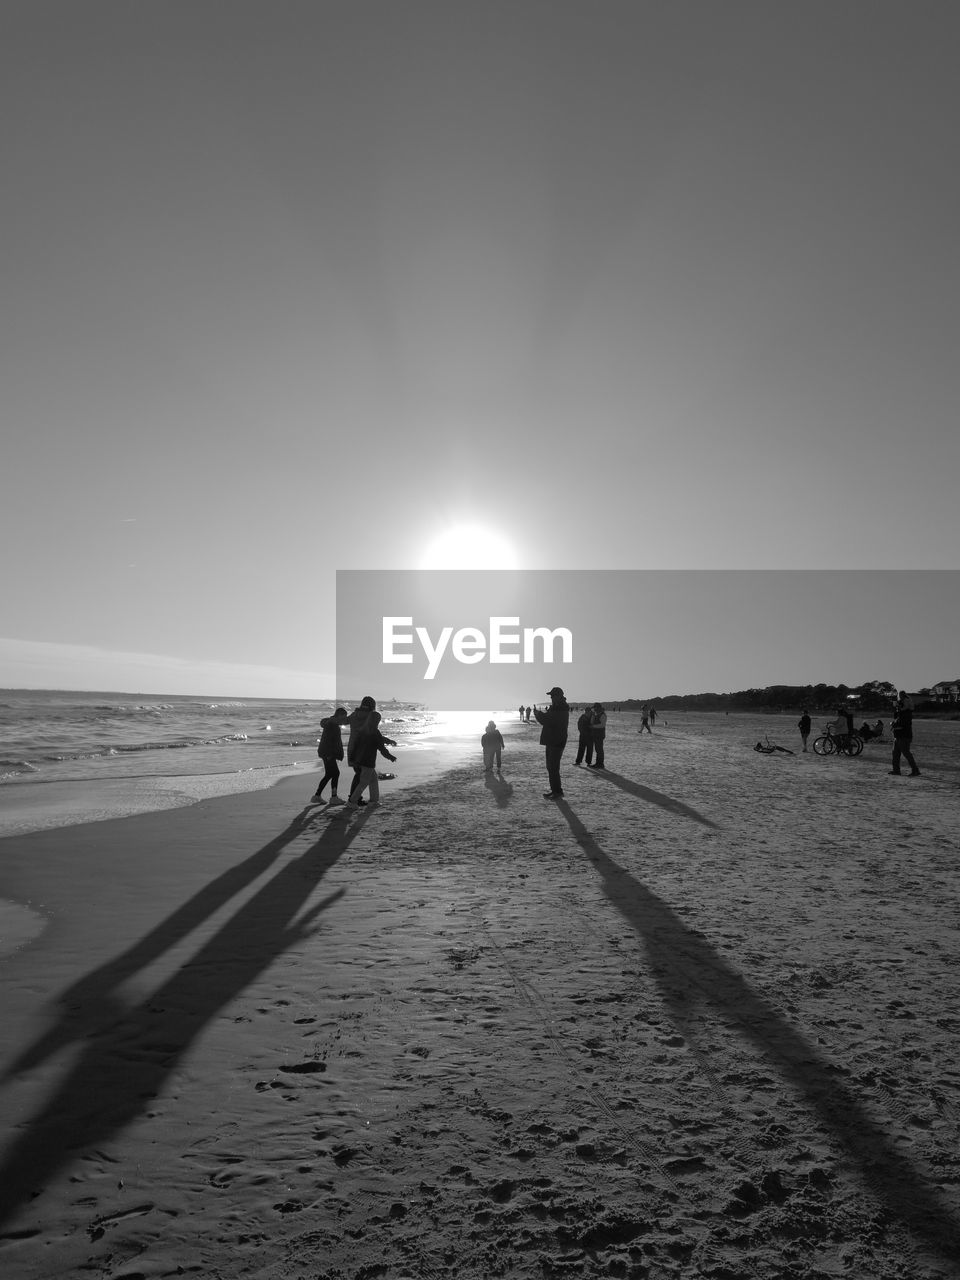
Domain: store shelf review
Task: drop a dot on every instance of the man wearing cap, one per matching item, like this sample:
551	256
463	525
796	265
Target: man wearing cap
553	736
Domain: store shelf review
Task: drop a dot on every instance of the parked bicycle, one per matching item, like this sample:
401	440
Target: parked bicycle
835	740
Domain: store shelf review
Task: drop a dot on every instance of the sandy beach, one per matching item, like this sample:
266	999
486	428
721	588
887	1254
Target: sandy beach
699	1019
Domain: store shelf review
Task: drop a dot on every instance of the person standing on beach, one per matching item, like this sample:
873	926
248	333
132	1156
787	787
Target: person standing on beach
903	735
357	720
803	724
653	716
492	744
369	742
521	713
645	720
598	733
584	739
554	723
330	751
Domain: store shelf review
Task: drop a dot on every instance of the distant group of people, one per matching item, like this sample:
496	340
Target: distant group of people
366	741
554	721
364	744
902	729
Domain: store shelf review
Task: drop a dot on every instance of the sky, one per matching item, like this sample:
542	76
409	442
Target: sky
296	286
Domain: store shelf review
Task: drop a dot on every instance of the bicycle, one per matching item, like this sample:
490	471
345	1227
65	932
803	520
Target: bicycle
833	741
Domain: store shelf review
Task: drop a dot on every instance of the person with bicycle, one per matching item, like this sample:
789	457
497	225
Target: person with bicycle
844	728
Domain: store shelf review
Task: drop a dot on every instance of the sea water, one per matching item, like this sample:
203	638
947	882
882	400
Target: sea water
55	736
71	756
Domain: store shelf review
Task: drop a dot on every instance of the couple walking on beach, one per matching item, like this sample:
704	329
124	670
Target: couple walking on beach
592	731
363	745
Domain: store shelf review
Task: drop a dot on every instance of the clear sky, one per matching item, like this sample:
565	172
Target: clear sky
296	285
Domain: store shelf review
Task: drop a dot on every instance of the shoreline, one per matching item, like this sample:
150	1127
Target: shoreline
33	805
62	807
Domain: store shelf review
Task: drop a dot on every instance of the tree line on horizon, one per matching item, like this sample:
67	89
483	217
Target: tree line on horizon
874	695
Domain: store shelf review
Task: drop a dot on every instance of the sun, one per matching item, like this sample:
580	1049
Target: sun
469	546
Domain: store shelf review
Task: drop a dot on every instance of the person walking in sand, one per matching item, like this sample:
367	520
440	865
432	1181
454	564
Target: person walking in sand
554	722
584	739
368	744
803	724
903	735
645	720
598	733
492	744
357	720
330	751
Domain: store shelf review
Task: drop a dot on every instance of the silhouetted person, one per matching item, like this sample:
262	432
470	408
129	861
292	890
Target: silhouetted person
553	737
598	733
330	751
584	739
492	744
903	735
369	742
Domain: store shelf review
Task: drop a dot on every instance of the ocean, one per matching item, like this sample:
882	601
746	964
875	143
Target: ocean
60	736
56	736
69	757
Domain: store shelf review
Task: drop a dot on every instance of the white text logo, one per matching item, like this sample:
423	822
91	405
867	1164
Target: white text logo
471	645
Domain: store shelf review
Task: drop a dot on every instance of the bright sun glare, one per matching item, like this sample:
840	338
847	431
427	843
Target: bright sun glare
469	546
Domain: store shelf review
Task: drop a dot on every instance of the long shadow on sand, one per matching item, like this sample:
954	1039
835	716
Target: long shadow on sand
81	1001
682	960
128	1052
653	797
499	788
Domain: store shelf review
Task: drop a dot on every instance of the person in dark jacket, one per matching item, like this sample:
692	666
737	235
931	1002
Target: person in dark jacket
553	737
369	742
903	735
357	720
330	751
584	739
598	733
803	724
492	745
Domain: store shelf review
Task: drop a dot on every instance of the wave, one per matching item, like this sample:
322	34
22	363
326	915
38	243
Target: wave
139	708
129	748
16	768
